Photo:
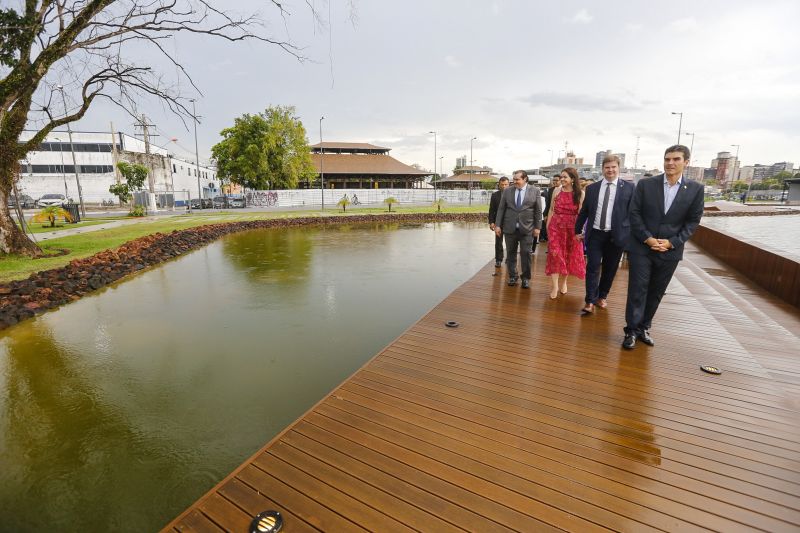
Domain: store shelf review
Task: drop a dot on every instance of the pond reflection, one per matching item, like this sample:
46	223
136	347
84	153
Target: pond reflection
121	409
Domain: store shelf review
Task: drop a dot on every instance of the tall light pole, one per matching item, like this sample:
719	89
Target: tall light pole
63	170
472	170
551	156
680	123
321	156
197	158
441	165
691	148
72	149
434	165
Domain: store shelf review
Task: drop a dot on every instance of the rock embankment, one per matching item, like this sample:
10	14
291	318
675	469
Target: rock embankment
50	288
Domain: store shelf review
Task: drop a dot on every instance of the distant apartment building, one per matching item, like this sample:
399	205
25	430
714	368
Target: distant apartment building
569	160
727	169
758	172
461	162
694	173
599	156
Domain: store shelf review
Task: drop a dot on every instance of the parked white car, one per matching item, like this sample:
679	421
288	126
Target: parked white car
49	200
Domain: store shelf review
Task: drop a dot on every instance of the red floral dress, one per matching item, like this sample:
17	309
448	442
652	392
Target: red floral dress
564	253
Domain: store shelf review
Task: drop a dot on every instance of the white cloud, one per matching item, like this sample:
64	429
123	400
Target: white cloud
684	25
581	17
452	61
633	27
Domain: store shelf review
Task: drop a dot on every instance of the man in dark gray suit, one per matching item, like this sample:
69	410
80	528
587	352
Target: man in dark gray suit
519	219
665	211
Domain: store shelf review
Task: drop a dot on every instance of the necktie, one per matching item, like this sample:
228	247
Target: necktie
519	198
604	210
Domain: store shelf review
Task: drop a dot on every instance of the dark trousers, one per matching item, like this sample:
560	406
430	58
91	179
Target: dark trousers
648	278
543	233
603	256
498	248
518	242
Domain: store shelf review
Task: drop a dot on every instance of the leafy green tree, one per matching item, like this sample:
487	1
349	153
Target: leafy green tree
782	176
134	175
739	186
438	204
99	48
389	201
265	151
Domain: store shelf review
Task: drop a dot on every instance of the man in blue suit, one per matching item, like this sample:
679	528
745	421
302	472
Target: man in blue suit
605	206
665	212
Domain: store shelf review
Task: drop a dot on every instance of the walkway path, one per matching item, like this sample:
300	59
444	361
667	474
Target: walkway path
529	417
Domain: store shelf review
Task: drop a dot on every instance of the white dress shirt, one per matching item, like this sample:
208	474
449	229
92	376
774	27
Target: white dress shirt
611	195
670	191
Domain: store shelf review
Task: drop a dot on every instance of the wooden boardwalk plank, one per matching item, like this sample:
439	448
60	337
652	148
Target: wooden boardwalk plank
529	417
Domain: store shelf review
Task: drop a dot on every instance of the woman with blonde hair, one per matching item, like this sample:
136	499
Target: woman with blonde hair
564	253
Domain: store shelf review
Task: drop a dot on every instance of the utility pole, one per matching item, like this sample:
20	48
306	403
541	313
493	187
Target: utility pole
636	155
72	149
471	170
197	157
321	157
115	155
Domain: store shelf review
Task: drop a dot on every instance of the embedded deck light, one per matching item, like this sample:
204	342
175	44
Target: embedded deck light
451	324
267	522
711	369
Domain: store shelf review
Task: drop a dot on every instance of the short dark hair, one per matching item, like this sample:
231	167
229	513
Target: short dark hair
502	178
521	173
679	148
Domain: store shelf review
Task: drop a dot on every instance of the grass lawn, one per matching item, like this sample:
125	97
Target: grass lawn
38	227
16	267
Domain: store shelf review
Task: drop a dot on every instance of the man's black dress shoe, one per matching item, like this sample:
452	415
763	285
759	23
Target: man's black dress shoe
498	264
512	282
630	342
645	337
526	284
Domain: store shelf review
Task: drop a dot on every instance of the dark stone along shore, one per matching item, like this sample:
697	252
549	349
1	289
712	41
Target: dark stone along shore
48	289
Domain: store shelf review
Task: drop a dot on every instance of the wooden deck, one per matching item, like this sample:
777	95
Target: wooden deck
529	417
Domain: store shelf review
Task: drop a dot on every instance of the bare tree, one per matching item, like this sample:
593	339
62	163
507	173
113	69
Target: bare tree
90	48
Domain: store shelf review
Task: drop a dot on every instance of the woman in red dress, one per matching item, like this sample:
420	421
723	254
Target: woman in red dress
564	253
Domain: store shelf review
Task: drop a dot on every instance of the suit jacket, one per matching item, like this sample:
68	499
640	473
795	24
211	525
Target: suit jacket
548	196
620	221
529	216
494	203
649	220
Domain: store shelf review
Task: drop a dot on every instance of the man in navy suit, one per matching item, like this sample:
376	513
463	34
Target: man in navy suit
606	207
665	212
494	204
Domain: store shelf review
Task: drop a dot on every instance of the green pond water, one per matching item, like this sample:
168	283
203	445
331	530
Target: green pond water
118	411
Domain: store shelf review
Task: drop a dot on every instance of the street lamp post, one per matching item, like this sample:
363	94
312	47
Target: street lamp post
197	159
680	123
691	148
441	165
72	149
551	156
471	170
63	170
321	157
434	165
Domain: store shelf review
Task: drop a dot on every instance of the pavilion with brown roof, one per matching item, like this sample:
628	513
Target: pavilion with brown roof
362	166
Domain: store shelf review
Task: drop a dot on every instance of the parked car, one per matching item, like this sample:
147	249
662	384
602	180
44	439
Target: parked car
25	201
227	202
197	203
49	200
236	200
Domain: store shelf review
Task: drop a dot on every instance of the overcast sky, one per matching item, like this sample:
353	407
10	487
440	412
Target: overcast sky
522	76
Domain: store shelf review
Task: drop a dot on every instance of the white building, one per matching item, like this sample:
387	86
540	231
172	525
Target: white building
50	169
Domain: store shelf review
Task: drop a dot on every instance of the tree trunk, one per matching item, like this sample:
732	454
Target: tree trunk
12	240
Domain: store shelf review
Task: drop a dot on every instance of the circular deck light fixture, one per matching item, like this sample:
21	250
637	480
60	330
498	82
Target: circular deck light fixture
267	522
451	324
711	369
